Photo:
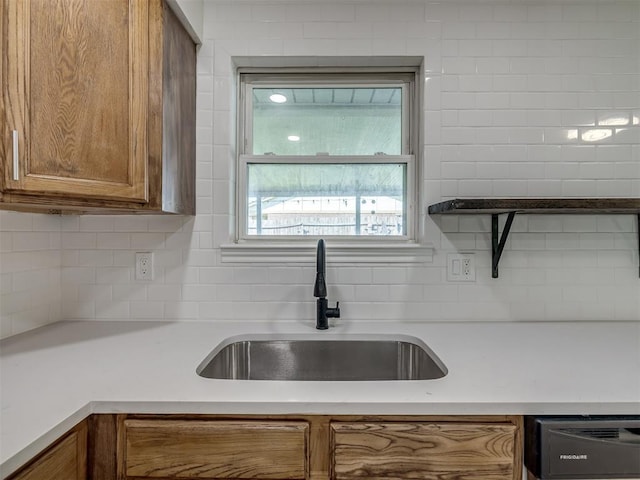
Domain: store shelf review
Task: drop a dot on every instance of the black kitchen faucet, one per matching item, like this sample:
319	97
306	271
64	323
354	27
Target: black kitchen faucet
323	312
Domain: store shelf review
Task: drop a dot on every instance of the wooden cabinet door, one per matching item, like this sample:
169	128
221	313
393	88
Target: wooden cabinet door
204	449
66	460
75	92
430	451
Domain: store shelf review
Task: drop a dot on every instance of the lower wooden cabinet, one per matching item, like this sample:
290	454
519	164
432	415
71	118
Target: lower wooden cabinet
64	460
215	449
284	447
429	450
320	447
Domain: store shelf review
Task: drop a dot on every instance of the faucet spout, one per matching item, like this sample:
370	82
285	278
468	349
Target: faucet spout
323	311
320	287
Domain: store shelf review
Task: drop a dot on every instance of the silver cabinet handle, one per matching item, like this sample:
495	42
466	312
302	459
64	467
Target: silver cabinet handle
15	155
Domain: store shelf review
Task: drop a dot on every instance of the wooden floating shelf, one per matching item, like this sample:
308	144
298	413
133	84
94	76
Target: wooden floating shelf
511	206
538	205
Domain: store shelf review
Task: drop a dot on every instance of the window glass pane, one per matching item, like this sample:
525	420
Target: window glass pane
338	121
326	199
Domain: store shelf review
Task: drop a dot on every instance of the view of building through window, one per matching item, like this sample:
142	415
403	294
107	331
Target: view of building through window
326	216
326	199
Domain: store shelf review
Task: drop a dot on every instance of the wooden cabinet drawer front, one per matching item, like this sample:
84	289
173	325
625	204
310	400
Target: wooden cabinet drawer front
215	449
432	451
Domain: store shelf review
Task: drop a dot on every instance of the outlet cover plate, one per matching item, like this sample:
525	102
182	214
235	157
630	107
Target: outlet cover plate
461	267
144	266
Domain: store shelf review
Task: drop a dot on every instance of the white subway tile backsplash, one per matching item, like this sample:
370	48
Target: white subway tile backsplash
28	280
579	188
597	241
475	188
474	223
233	12
125	293
562	241
18	261
615	223
390	276
278	293
389	46
475	47
112	310
181	310
146	310
113	241
128	223
94	258
458	30
459	65
528	241
97	293
459	241
527	170
289	275
319	29
618	12
78	275
476	83
199	293
493	30
510	188
114	275
372	293
267	12
512	92
30	241
598	171
353	275
147	241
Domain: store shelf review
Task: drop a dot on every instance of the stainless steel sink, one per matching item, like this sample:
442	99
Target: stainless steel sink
322	357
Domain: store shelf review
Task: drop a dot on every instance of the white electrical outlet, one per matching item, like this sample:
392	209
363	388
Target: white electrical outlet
144	266
461	267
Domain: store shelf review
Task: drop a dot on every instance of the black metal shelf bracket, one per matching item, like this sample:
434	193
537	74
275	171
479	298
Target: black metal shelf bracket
497	247
511	206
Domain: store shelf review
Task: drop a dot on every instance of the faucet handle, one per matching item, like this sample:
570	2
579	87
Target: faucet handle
334	312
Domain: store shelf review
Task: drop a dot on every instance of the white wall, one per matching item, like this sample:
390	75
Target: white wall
511	88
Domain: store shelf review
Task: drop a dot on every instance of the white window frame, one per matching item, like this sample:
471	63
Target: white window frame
362	248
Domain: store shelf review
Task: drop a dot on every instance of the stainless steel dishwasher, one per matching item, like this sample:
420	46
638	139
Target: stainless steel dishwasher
582	447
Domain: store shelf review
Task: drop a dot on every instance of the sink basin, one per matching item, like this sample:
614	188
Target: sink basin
322	357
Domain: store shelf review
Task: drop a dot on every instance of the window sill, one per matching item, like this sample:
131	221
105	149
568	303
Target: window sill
337	253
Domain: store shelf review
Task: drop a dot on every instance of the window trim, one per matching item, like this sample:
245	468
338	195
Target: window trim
303	252
408	250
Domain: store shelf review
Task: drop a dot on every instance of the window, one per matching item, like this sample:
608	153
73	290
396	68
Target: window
327	154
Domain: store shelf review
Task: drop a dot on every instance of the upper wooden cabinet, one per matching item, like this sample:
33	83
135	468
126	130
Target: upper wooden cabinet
98	107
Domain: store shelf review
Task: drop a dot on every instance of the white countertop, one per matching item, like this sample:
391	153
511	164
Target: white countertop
53	377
